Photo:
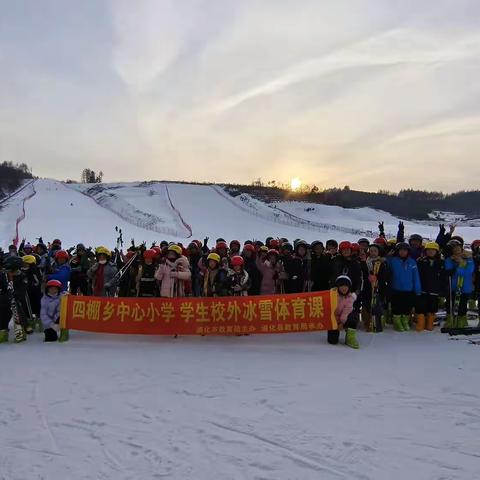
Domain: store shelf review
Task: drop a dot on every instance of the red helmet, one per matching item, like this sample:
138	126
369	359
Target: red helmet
345	245
54	283
380	241
221	245
274	243
61	254
355	247
475	244
150	253
237	261
248	248
272	251
158	250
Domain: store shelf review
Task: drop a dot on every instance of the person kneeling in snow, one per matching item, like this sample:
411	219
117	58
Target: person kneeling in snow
344	313
50	310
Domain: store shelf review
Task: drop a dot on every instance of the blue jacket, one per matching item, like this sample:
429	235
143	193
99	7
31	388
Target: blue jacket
62	274
466	271
404	275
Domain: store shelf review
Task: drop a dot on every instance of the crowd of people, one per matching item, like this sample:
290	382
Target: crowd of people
395	281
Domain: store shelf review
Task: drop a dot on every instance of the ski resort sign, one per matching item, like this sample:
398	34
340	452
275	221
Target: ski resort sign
293	313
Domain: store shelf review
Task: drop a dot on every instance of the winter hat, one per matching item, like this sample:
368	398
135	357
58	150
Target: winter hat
342	281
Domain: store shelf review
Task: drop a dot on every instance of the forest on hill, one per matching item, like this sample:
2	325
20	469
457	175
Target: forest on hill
12	176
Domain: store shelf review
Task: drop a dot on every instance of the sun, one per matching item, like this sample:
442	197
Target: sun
295	184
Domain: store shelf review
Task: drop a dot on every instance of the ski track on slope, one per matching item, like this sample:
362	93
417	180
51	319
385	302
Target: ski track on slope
267	407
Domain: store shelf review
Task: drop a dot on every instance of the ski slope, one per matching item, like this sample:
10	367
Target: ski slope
155	211
286	407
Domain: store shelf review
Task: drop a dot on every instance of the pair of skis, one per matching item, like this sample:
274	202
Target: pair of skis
377	323
18	330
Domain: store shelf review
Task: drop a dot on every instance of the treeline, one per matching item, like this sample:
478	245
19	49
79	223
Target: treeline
415	204
12	176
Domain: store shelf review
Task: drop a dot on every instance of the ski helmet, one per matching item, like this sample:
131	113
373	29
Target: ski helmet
221	244
13	263
417	237
57	242
380	241
363	240
248	248
237	261
81	247
343	280
355	247
454	243
475	244
150	253
235	242
27	246
331	243
274	243
402	246
175	248
315	244
345	245
61	254
272	251
54	283
287	247
214	256
263	248
29	259
459	239
432	246
103	251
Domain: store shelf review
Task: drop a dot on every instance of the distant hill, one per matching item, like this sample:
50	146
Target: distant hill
12	176
413	204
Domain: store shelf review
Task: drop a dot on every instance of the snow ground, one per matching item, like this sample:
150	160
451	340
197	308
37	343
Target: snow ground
286	407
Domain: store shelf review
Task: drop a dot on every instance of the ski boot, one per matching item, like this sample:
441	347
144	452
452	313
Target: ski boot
398	323
449	323
50	335
333	337
430	320
3	336
29	327
462	322
420	325
19	333
64	335
406	323
351	338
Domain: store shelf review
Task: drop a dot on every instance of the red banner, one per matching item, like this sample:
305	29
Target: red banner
307	312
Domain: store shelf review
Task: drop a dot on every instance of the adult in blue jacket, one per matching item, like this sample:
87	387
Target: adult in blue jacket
61	270
460	267
404	284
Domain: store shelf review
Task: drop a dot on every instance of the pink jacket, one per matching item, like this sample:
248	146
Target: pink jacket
173	276
344	307
272	276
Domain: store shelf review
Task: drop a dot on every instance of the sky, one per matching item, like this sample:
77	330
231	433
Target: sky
373	94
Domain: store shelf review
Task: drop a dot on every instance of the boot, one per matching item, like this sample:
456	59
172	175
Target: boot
3	336
462	322
351	338
19	333
50	335
397	323
430	320
367	321
449	321
420	326
406	323
333	336
379	323
64	335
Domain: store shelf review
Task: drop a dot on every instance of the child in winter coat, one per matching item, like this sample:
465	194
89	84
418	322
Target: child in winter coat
273	273
343	313
238	278
374	290
50	310
431	269
460	267
174	273
61	269
215	277
405	286
146	283
103	274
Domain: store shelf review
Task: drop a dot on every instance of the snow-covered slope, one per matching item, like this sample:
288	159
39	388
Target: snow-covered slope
153	211
286	407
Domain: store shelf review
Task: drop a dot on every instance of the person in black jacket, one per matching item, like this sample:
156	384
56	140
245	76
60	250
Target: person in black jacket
433	279
320	268
250	266
293	268
345	264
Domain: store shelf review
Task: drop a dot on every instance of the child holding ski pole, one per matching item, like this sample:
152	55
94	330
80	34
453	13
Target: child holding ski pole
460	268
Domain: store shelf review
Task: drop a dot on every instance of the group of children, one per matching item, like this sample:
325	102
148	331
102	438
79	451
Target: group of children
376	281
